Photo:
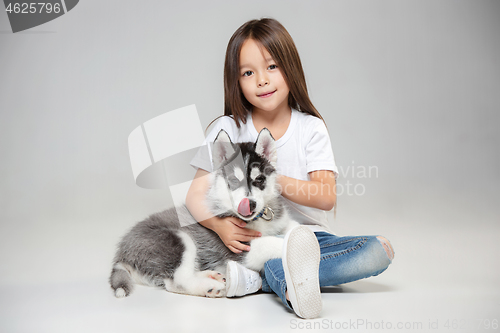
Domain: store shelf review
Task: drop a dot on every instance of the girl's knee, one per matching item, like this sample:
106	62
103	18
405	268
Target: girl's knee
387	247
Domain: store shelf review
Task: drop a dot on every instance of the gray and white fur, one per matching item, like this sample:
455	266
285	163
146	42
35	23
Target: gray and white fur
190	260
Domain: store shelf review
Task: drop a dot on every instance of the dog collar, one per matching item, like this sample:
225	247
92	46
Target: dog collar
264	214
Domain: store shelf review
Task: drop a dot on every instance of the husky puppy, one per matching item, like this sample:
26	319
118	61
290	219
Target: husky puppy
189	259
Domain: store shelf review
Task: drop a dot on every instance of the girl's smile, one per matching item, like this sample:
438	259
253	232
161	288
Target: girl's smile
267	94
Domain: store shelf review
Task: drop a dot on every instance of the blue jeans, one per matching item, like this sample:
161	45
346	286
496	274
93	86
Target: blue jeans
343	259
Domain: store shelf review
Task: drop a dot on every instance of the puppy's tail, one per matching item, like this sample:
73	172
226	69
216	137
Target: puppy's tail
121	281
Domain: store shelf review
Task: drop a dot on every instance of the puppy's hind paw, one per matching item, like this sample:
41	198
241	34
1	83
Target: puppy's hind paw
211	284
217	276
214	288
213	275
216	292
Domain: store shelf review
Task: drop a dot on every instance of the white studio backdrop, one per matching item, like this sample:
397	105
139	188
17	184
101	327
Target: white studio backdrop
408	89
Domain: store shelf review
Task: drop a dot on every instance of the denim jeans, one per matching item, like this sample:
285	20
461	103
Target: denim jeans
343	259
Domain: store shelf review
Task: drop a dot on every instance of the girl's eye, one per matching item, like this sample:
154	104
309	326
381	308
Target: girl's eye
247	73
273	67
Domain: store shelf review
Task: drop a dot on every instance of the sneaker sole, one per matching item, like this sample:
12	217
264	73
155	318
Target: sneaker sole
301	257
232	278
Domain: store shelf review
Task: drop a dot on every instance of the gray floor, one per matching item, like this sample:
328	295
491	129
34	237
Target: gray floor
440	278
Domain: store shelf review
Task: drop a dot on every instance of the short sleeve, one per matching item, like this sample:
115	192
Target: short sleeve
202	158
319	153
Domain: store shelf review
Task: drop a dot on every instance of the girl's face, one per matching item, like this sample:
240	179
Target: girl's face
260	79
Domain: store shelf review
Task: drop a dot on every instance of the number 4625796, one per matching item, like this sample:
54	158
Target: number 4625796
466	324
32	8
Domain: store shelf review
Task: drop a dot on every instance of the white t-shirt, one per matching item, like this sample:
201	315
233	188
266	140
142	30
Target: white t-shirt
304	147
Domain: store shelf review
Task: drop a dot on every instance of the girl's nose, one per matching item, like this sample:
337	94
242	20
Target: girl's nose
263	81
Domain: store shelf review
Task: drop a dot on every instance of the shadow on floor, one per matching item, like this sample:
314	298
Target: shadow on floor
358	287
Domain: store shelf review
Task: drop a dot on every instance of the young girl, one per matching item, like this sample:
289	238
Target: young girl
264	87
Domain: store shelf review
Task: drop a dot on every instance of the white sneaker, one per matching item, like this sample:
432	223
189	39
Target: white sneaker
301	256
241	280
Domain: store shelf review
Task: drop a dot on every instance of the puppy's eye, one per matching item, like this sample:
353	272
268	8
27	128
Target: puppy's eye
259	180
233	180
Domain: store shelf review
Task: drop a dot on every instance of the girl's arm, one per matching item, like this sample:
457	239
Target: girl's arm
318	192
231	230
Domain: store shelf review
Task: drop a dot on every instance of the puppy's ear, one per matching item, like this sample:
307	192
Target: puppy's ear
222	149
266	146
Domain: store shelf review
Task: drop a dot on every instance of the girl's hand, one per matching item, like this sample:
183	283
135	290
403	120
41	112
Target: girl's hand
232	232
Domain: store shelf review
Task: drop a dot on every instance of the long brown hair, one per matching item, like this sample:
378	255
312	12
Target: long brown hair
277	41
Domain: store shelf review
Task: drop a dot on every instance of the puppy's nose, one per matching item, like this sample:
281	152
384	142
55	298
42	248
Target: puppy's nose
252	205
